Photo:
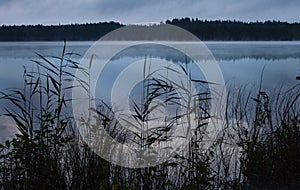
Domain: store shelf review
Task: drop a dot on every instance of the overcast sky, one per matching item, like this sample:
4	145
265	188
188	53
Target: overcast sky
144	11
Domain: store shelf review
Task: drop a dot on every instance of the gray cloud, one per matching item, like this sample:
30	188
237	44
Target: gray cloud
7	128
135	11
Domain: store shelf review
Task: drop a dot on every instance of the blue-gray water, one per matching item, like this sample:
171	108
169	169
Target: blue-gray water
240	62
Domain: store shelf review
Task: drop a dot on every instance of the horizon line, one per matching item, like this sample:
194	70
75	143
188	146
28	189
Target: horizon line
153	23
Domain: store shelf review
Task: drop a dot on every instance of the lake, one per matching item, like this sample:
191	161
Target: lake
241	64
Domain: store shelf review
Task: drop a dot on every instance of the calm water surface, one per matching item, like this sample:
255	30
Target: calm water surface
241	64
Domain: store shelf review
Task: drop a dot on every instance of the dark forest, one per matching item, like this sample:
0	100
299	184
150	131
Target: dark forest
205	30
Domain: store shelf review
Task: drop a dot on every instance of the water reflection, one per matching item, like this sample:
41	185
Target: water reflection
270	51
240	62
221	50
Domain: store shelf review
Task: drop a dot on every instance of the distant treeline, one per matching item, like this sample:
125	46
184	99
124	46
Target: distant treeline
72	32
236	30
204	29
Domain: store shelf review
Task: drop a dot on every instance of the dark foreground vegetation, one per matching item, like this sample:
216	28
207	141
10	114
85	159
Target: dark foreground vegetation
258	148
203	29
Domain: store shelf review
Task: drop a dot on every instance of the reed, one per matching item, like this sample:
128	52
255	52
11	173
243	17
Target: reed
258	148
